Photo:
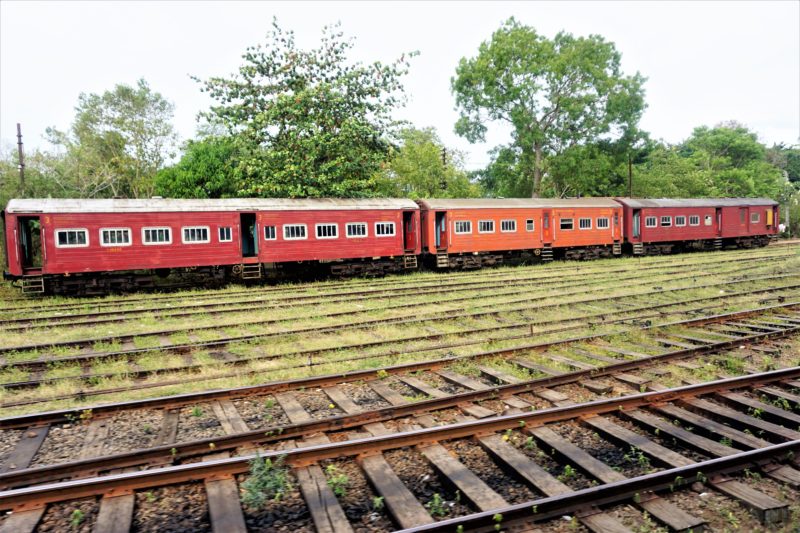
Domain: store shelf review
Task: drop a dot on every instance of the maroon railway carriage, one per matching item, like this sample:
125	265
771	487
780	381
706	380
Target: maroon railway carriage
102	244
475	232
665	226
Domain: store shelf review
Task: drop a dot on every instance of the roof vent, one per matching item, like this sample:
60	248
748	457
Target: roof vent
156	197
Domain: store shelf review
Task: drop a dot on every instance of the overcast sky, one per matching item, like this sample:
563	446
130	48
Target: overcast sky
705	62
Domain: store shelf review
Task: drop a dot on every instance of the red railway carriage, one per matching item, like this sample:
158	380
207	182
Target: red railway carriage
667	225
231	237
476	232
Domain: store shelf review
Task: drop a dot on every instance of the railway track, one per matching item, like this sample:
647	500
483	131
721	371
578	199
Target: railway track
528	451
277	294
625	318
620	426
579	361
461	305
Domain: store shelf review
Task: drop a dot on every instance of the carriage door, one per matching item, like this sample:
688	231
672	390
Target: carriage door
547	230
248	234
719	221
441	230
30	243
637	223
409	231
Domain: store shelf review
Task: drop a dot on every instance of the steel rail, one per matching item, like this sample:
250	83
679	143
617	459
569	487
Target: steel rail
112	484
616	492
330	379
404	319
142	374
451	287
175	451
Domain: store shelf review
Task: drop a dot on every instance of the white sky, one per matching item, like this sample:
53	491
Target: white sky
705	62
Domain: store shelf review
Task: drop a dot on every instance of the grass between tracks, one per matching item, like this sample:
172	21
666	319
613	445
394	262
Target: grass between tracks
219	375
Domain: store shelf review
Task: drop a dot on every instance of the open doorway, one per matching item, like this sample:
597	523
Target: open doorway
30	242
409	231
441	228
248	235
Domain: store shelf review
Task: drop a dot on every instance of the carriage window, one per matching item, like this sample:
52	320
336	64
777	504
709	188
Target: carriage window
115	237
650	222
294	232
463	227
694	220
680	221
666	222
742	215
508	226
602	223
529	226
196	235
357	229
384	229
156	236
486	226
585	223
755	218
269	233
567	223
225	234
327	231
708	220
72	238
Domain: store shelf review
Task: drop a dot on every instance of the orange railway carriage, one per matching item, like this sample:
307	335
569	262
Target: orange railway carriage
478	232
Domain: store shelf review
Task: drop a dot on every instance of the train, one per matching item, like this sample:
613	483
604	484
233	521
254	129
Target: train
93	246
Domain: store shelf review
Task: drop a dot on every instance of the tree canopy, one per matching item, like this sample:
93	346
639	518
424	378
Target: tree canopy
307	123
555	94
117	142
422	167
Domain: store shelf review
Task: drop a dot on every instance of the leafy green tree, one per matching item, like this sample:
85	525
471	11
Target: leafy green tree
724	161
117	142
308	123
424	168
207	169
555	94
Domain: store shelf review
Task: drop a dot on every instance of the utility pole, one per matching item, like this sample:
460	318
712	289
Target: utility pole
630	177
21	159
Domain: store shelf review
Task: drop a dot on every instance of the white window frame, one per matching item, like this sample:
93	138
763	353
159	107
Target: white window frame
274	232
681	224
571	223
305	232
695	217
84	230
606	223
580	223
392	234
530	224
110	245
363	224
481	222
755	218
508	220
669	221
228	230
647	224
328	224
203	241
156	228
467	231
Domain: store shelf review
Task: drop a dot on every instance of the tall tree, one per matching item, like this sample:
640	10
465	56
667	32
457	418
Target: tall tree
117	142
308	122
422	167
554	94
